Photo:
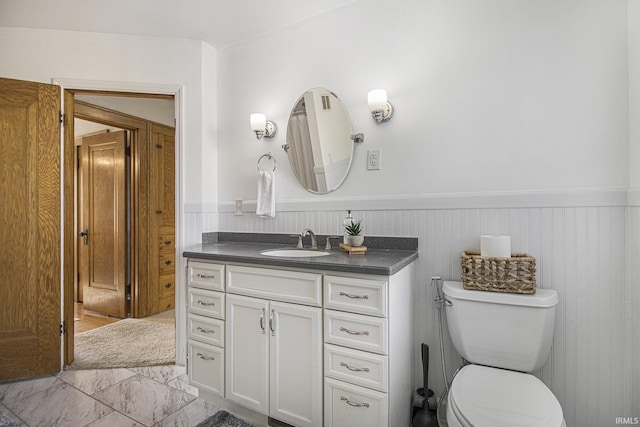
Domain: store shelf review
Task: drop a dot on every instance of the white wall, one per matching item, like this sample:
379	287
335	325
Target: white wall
632	290
40	55
506	111
634	93
493	95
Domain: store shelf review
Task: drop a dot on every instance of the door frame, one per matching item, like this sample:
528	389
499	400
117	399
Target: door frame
69	87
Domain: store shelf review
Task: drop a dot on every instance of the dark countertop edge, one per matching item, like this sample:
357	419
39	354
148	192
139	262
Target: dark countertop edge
379	261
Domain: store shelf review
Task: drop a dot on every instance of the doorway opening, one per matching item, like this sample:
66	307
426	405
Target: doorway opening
124	210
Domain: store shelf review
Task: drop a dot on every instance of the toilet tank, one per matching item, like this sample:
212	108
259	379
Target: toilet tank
511	331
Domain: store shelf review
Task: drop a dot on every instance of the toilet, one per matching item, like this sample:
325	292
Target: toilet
503	337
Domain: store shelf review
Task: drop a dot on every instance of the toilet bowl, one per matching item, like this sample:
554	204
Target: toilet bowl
503	337
489	397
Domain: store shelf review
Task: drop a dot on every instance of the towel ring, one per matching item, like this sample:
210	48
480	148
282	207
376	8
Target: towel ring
270	157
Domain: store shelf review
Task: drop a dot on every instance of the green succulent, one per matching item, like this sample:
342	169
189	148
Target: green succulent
353	229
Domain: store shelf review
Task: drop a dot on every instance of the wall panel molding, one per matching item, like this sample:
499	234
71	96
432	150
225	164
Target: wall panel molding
633	197
485	200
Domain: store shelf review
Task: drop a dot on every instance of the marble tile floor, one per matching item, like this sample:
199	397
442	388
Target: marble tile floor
157	396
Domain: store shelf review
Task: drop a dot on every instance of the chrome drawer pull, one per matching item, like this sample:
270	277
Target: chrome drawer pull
351	368
349	331
205	357
271	323
206	331
349	402
205	303
206	276
344	294
262	321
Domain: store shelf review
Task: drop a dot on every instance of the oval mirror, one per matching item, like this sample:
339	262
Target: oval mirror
319	141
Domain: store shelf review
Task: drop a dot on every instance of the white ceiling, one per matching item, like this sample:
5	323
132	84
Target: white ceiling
217	22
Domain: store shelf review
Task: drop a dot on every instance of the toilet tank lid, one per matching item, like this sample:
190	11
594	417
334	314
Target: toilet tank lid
543	298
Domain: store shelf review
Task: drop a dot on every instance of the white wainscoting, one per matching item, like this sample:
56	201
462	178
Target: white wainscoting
580	252
632	300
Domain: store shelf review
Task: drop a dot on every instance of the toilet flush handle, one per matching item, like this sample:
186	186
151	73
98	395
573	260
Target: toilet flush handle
440	299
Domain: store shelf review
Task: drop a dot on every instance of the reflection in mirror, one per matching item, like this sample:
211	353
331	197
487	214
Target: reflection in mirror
319	141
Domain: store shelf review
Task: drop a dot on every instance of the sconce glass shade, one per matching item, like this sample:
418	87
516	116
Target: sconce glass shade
258	122
377	100
380	108
261	126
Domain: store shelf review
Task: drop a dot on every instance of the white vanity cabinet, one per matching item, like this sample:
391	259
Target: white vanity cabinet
205	325
274	348
302	346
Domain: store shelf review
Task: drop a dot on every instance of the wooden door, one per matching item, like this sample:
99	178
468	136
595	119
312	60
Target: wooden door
30	230
247	352
162	250
102	253
296	364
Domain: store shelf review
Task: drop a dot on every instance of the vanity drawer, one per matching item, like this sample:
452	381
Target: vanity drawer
280	285
357	367
206	275
206	367
206	329
362	296
206	303
354	406
166	243
167	285
167	263
356	331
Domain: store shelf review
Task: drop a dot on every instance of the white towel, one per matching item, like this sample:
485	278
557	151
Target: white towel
266	203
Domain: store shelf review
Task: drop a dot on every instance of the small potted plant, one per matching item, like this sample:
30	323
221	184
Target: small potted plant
352	235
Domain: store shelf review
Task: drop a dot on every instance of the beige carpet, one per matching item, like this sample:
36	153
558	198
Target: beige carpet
127	343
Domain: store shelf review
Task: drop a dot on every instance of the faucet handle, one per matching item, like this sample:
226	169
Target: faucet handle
327	246
299	236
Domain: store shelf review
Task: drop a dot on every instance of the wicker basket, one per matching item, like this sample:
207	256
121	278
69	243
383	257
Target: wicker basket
515	275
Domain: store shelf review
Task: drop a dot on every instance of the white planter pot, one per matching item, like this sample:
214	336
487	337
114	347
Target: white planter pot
353	240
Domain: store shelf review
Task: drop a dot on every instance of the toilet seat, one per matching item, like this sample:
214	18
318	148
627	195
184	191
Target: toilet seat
490	397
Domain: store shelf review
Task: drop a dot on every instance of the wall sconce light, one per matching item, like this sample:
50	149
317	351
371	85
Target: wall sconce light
381	110
262	127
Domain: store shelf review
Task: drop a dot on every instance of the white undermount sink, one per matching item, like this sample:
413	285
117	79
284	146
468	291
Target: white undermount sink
294	253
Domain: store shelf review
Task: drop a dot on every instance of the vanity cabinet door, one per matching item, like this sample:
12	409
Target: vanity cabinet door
247	352
296	364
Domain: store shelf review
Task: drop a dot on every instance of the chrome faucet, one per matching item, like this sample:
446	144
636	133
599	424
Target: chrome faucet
314	241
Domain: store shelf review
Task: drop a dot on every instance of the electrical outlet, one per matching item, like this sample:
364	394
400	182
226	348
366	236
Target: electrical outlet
238	207
373	160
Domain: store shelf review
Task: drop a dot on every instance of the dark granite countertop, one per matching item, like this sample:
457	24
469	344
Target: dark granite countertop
377	260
